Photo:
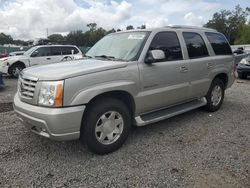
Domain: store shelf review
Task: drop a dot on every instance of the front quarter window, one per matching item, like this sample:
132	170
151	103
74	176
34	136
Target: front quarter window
120	46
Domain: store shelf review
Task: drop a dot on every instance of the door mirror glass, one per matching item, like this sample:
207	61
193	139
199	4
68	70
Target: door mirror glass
154	56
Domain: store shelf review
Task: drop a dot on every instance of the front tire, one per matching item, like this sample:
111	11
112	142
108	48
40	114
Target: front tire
67	58
15	70
106	125
215	95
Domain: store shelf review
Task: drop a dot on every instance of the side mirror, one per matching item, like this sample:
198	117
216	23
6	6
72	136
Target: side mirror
155	56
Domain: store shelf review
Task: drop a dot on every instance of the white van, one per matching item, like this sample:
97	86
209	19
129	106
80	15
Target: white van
39	55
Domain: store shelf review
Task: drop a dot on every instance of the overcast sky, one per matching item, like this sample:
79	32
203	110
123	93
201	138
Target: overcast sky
28	19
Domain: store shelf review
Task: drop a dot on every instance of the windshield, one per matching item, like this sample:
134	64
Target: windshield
28	52
119	46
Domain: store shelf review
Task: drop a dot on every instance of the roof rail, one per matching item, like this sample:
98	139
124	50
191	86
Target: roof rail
189	27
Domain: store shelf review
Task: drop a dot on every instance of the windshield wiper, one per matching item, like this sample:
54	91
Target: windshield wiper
105	57
112	58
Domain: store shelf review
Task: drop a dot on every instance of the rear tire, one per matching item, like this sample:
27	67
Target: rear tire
15	70
215	95
106	125
67	58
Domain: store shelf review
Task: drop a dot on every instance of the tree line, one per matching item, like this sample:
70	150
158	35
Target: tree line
79	38
234	24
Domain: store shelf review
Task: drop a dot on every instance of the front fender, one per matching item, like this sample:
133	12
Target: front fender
25	62
84	96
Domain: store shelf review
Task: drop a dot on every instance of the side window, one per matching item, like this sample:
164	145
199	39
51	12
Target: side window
219	43
56	51
43	51
169	43
195	45
68	50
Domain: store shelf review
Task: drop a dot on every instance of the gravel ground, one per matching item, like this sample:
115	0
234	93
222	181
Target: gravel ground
196	149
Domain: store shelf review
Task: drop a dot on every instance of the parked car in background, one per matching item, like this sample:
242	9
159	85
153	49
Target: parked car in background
39	55
243	68
128	78
239	54
17	53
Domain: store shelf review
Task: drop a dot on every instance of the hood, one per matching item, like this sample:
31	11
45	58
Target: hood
69	69
14	58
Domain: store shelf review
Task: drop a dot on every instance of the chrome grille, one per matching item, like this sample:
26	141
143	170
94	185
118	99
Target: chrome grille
27	87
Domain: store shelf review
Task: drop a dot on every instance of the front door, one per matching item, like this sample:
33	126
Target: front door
41	56
166	82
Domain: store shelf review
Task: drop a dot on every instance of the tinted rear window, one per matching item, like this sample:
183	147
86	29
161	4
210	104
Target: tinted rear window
219	43
195	45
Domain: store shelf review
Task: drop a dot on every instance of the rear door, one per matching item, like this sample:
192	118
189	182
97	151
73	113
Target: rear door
165	82
199	62
57	54
70	53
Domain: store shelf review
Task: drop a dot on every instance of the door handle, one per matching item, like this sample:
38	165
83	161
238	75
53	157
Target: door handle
183	69
210	65
48	58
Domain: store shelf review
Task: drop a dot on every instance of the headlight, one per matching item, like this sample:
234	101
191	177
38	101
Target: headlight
51	94
244	62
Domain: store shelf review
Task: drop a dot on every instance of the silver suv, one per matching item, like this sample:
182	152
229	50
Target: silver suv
127	78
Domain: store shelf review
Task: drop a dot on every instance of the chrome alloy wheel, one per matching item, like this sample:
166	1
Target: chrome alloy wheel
216	95
16	71
109	127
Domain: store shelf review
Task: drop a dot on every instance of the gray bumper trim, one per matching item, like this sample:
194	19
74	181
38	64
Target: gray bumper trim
55	123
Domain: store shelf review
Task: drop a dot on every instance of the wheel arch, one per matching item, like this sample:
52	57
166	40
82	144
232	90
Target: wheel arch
223	77
16	63
121	95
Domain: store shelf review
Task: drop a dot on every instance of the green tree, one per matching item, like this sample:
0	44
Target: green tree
111	31
229	22
56	38
244	37
76	38
5	39
92	26
143	26
129	27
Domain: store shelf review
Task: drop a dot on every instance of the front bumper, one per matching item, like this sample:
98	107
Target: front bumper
243	68
55	123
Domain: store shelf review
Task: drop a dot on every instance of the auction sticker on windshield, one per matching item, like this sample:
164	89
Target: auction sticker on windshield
136	36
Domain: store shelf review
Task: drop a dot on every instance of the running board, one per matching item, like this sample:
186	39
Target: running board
166	113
